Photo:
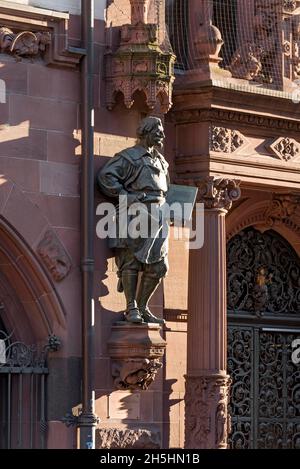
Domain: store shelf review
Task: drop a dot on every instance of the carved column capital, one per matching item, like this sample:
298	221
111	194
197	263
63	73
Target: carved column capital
218	193
207	420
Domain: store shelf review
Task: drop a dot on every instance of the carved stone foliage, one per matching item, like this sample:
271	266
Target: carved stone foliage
265	393
54	256
23	44
225	140
113	438
139	64
207	419
285	148
135	374
136	351
263	275
282	207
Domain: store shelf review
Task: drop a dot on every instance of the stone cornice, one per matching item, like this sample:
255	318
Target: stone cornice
239	117
36	21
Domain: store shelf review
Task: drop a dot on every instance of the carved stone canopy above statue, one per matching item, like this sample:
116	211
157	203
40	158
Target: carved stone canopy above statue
139	64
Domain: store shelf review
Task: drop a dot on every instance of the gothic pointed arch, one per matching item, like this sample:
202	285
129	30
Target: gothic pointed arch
31	307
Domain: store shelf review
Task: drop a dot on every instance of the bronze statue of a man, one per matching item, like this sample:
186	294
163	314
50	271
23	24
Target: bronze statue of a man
141	174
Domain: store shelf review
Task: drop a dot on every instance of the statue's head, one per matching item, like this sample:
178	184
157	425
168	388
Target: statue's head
151	132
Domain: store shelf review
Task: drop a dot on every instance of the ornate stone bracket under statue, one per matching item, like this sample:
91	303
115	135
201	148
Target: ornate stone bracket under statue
136	351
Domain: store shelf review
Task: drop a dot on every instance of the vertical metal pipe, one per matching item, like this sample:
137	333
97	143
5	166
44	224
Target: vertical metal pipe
31	410
9	411
43	424
87	420
20	411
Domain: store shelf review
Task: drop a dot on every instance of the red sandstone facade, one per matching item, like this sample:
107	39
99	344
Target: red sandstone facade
234	133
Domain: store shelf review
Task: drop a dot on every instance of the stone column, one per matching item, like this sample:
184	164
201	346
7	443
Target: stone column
207	383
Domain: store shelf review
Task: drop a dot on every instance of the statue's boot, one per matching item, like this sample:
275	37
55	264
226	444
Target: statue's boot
129	282
147	288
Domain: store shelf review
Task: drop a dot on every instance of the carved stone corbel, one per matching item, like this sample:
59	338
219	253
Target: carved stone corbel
136	351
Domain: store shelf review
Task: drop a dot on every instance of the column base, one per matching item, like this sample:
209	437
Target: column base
206	411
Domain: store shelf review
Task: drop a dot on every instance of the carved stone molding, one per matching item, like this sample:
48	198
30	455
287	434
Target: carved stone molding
136	351
207	418
220	115
114	438
135	373
32	32
225	140
285	148
23	44
139	64
258	213
281	209
54	256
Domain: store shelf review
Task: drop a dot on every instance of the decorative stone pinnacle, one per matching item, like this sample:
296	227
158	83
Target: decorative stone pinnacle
139	9
218	193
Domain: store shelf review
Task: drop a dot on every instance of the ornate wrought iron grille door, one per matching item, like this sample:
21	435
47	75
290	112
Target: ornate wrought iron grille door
263	321
22	395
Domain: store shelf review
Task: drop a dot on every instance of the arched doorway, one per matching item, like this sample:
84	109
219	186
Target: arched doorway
30	316
263	322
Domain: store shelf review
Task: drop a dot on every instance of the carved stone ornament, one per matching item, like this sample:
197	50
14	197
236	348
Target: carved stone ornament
23	44
139	64
207	419
29	32
136	351
135	373
282	207
255	59
225	140
218	193
208	43
286	148
54	256
290	5
140	438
